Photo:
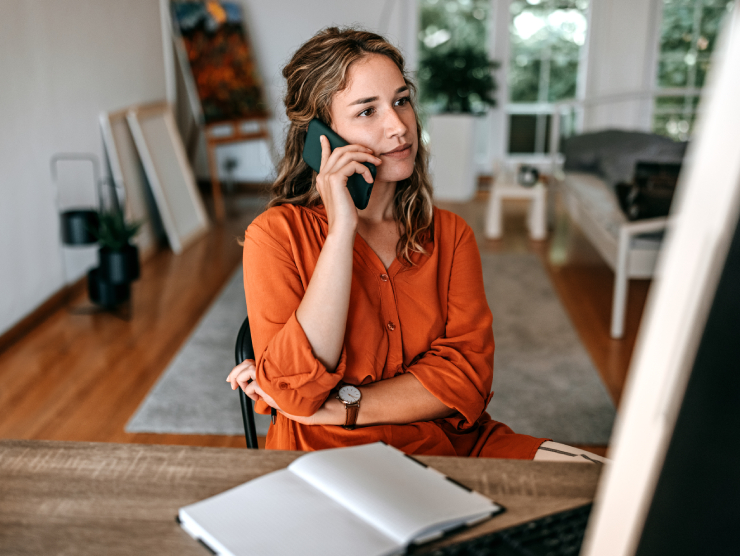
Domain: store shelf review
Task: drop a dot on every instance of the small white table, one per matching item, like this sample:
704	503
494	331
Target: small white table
506	187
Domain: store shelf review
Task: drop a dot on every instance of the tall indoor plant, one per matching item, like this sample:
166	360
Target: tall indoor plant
457	83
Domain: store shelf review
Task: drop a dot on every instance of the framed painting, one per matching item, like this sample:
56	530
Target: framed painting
211	41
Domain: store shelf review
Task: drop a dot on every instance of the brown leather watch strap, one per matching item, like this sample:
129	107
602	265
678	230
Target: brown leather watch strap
352	411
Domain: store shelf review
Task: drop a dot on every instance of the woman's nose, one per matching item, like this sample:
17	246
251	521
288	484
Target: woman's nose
394	126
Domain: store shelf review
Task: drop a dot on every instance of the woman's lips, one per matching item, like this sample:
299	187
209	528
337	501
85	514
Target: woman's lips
403	152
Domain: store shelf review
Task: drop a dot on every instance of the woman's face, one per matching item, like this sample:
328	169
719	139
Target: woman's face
375	111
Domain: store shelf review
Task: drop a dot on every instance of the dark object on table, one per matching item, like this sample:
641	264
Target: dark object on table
527	175
651	191
557	534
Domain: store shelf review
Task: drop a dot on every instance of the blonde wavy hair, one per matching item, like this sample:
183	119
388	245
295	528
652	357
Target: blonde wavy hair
317	71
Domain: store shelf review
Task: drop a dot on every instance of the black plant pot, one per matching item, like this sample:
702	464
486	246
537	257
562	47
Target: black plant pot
104	293
119	266
79	226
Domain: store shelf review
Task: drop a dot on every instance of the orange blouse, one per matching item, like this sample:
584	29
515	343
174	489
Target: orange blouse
430	319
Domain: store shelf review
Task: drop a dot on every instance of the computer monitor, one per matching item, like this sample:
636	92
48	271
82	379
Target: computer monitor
674	484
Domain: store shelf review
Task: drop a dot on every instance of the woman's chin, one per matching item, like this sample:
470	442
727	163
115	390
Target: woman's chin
394	174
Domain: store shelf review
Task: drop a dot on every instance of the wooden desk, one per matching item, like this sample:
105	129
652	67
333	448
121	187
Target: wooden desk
95	498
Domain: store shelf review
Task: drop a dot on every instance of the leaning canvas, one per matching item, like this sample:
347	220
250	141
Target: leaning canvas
169	174
128	176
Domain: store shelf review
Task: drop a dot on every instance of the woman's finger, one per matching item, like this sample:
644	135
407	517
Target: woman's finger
355	156
246	376
241	367
332	161
354	168
325	152
251	392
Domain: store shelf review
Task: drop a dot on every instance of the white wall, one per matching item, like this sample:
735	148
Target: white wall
621	59
62	62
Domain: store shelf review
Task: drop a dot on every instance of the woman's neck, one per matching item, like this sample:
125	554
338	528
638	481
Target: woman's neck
380	206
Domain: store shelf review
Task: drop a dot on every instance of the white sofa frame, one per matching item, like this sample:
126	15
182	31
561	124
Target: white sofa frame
627	260
626	257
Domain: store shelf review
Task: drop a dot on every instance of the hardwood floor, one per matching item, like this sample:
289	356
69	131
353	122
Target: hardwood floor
81	376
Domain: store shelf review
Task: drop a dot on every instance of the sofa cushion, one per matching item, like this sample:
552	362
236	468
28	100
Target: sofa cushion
613	153
598	199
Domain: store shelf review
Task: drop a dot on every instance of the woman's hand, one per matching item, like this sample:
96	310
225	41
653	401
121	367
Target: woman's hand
244	376
336	167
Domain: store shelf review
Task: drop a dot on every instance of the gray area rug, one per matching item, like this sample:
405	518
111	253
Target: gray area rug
544	381
192	396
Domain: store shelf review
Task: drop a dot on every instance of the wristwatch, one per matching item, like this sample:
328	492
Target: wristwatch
350	396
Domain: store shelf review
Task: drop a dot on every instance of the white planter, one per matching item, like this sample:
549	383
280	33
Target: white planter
451	142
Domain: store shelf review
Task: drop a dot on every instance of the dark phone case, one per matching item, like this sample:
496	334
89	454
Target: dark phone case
359	189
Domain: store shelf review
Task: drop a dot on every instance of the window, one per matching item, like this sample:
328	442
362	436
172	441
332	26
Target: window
688	37
546	40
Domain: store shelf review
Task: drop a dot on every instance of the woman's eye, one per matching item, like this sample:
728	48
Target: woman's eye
367	112
403	101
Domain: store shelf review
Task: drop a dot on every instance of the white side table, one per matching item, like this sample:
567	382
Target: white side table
507	187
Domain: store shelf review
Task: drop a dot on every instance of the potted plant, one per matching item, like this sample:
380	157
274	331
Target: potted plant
109	284
118	257
458	84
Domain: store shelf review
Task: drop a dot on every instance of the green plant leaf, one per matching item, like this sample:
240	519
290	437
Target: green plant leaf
459	79
113	231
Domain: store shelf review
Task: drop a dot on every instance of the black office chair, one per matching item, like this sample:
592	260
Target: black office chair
244	350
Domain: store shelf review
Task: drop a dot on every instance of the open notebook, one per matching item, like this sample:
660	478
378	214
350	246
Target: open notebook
363	500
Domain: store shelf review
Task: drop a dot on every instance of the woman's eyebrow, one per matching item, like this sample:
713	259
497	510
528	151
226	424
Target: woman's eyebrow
373	99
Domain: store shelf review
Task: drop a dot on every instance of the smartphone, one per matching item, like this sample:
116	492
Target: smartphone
359	189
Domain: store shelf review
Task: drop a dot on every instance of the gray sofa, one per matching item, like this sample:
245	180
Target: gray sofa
594	164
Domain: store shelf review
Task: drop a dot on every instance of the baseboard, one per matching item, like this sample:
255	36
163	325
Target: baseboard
42	312
57	300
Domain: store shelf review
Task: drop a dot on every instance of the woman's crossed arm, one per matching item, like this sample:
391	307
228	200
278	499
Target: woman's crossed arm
398	400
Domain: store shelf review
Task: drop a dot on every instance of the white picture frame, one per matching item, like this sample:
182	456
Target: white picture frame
169	173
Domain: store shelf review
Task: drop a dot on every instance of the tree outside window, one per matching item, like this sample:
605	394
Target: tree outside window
452	47
688	36
546	37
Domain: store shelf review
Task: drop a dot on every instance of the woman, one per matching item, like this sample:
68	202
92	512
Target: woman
388	300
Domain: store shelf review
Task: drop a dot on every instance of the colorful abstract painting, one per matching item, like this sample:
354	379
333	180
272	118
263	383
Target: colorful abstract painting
220	59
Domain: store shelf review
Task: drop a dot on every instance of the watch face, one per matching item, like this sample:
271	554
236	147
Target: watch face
349	394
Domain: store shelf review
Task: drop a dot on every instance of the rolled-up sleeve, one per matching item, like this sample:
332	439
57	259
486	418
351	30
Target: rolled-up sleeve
458	367
286	367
